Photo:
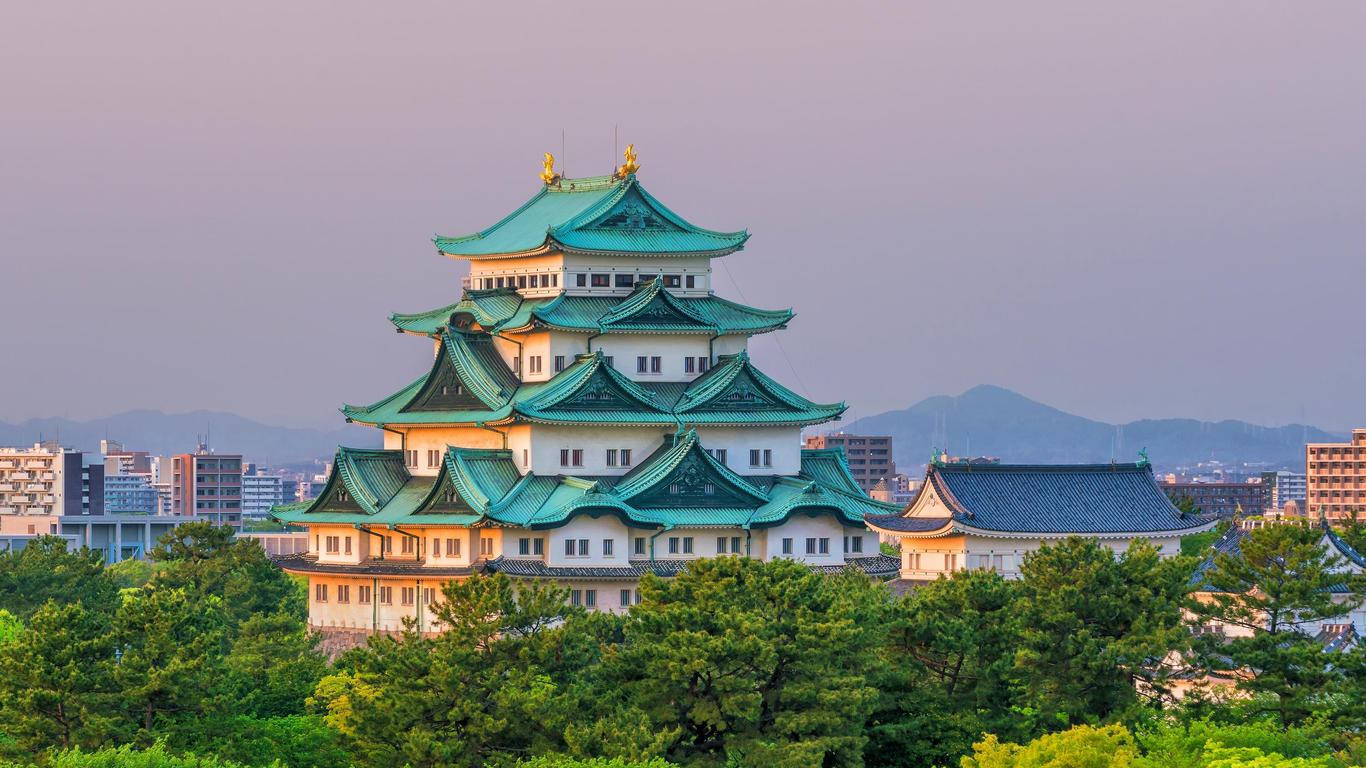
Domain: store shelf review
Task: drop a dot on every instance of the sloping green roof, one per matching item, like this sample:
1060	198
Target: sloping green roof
678	485
592	392
504	310
599	214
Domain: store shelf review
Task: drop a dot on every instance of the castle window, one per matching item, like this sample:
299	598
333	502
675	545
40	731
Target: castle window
452	547
811	546
521	281
559	363
625	598
672	281
687	545
656	364
320	593
690	364
580	279
857	544
343	593
386	595
673	545
625	279
640	545
642	364
576	597
554	281
577	456
690	282
407	595
583	547
754	457
590	598
501	282
787	546
538	546
601	281
607	547
363	594
611	457
625	457
485	546
720	545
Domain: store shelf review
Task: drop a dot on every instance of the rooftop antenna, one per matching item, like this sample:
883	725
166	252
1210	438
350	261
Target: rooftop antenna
564	166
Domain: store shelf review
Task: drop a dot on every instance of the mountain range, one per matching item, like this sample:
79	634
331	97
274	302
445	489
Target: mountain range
167	433
993	421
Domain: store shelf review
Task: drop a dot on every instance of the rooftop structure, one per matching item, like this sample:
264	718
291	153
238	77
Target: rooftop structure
591	414
970	515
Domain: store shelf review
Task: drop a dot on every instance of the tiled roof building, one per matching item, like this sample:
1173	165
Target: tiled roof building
979	515
590	414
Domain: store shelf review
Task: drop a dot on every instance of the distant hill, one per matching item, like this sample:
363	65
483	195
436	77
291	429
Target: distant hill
166	433
992	421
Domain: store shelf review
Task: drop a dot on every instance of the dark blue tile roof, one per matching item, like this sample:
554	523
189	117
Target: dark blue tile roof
909	524
1060	498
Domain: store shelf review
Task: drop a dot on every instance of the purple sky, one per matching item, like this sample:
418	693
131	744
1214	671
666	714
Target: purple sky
1154	211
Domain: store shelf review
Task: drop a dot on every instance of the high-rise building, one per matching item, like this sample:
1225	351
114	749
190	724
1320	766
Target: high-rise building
1336	477
869	456
130	494
207	485
591	415
49	480
261	492
1286	487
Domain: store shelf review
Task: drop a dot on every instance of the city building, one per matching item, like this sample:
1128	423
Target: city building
49	480
1223	499
207	485
1286	487
869	456
990	515
1335	482
130	494
591	415
261	492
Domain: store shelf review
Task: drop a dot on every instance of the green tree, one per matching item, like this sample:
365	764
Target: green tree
1082	746
554	761
55	680
171	659
128	756
274	666
759	663
1281	582
45	570
1095	628
496	683
206	560
948	672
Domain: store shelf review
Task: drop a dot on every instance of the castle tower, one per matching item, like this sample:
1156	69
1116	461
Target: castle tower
590	415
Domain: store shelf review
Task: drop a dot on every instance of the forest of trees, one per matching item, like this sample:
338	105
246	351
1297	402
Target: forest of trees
202	658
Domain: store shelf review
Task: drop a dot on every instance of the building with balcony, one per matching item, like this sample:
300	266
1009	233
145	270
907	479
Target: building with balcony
1335	477
49	480
129	494
1286	487
591	414
869	457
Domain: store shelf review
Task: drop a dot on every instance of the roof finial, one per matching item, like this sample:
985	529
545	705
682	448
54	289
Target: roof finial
630	166
1143	457
548	174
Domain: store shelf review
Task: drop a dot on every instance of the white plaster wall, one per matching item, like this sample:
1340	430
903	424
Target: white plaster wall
317	542
640	268
423	439
548	439
730	344
799	528
595	530
624	348
1012	552
358	615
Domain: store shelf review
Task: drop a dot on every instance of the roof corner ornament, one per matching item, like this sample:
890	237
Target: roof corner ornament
1143	457
548	174
629	167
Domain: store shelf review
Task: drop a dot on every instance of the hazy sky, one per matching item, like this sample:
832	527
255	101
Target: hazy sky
1158	211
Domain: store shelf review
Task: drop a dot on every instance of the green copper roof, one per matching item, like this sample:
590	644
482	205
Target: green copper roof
648	309
594	215
679	484
732	392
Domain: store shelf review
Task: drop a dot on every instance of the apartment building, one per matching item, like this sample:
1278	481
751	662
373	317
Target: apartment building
208	486
260	492
49	480
1336	477
1223	499
869	456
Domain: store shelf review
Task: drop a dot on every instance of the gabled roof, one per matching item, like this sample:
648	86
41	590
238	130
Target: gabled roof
591	391
734	385
504	310
1048	499
678	485
1231	544
681	473
470	384
601	214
